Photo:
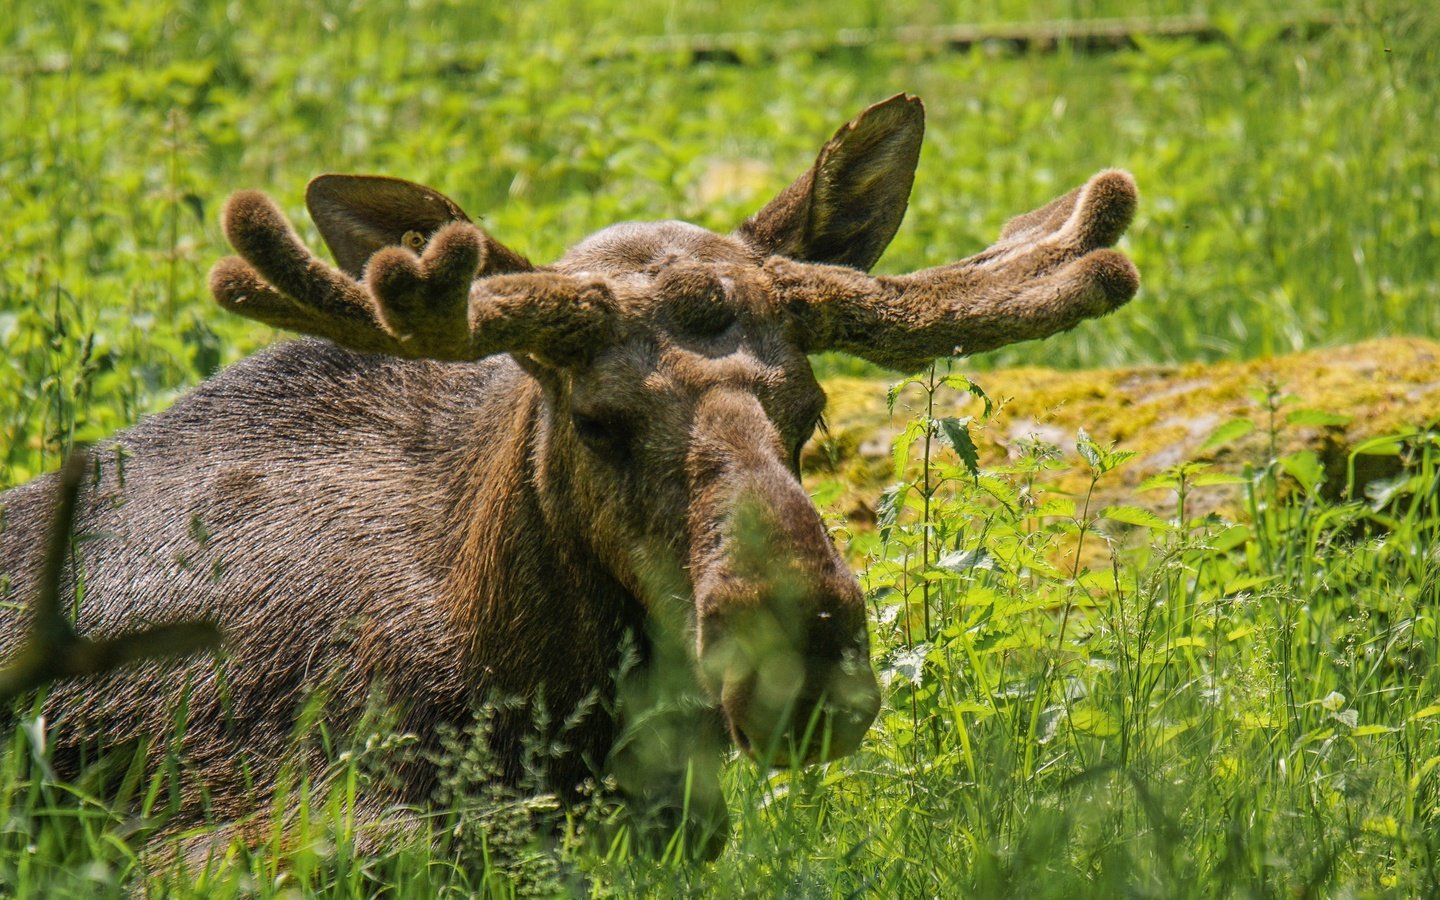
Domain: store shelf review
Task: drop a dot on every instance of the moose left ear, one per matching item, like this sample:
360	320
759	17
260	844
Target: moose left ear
359	214
848	206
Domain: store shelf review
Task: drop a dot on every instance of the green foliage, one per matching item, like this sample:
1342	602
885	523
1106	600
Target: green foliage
1193	707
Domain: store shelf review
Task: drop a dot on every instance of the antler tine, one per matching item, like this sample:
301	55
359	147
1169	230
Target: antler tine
427	306
281	283
1049	271
423	300
259	231
240	289
436	309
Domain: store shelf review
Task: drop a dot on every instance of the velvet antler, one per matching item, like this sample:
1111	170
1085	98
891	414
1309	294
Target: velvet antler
429	306
1048	272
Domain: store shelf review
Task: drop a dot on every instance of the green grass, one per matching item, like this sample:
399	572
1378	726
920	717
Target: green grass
1196	708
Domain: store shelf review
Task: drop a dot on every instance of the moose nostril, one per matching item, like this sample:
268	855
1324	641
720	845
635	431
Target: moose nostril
822	713
789	666
855	706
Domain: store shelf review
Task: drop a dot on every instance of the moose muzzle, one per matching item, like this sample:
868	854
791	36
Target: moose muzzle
782	635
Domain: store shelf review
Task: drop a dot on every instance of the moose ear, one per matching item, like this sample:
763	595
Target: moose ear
359	214
847	207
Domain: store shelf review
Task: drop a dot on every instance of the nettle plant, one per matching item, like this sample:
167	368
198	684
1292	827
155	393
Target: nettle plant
989	583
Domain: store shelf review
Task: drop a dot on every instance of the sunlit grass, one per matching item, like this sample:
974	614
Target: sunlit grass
1184	707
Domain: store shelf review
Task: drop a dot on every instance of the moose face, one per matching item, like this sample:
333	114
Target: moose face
682	440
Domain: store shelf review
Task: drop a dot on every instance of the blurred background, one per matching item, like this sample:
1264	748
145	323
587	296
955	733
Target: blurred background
1286	156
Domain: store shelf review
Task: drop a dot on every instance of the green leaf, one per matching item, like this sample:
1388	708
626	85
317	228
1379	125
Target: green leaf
1101	459
1133	515
965	560
960	382
1088	449
1094	721
956	433
1431	710
1425	769
1231	430
1248	582
978	392
1367	730
894	393
1059	506
892	500
827	492
913	429
1383	490
1316	417
1213	478
970	707
1231	538
1386	445
1114	459
1159	482
1304	467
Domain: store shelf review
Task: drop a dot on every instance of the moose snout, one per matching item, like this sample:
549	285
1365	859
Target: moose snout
779	719
795	685
783	645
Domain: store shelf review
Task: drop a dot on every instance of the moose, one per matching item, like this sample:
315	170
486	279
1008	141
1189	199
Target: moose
475	477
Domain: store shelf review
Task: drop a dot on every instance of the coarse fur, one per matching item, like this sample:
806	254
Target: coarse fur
486	479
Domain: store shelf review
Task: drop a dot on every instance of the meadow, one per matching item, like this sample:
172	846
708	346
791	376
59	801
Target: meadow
1080	701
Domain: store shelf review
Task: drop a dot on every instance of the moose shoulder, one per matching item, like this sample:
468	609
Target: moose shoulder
480	478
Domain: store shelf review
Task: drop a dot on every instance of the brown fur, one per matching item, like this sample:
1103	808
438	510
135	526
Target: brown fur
488	474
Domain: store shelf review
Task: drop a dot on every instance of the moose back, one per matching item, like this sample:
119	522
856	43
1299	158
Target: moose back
482	478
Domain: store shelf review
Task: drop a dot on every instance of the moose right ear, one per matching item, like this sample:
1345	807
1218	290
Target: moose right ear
848	206
359	214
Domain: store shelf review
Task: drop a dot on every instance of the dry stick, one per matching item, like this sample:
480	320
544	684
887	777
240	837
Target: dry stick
54	651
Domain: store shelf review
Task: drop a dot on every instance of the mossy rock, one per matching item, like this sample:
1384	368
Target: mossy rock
1166	414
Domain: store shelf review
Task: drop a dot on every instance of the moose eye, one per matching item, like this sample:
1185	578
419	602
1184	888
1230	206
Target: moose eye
604	434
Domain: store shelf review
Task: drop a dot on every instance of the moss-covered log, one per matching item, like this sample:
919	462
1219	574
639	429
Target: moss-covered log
1166	414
